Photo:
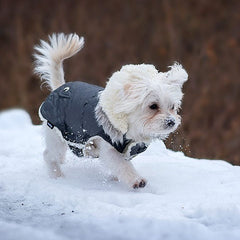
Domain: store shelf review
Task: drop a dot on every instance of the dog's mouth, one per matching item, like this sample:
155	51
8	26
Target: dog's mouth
164	132
172	128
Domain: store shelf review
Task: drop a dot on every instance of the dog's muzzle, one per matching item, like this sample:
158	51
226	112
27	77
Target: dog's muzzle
170	122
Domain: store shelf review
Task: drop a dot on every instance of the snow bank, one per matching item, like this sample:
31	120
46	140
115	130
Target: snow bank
185	198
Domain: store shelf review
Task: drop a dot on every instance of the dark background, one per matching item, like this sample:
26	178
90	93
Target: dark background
203	35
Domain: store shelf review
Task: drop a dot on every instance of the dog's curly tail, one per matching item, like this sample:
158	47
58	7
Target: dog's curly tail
49	57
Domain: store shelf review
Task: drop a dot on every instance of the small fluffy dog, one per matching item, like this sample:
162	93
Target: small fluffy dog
139	104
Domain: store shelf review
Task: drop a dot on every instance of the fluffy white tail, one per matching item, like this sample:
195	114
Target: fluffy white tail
50	56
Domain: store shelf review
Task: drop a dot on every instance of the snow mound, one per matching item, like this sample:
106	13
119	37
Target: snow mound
14	118
185	198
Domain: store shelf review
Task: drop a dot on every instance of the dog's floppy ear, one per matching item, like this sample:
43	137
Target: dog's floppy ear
177	75
111	101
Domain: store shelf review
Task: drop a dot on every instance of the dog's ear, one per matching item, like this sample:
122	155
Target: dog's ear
118	101
177	75
112	102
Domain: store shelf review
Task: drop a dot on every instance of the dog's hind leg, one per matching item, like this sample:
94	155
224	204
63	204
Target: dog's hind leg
55	151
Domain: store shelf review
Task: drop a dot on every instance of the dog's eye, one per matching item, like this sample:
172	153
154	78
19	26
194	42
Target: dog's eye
172	107
153	106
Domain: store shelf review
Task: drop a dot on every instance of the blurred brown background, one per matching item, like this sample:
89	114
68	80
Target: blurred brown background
203	35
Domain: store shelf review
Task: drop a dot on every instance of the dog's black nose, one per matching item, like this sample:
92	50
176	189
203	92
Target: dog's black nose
170	122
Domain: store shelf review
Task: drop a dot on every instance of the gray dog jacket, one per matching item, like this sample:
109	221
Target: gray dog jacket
71	108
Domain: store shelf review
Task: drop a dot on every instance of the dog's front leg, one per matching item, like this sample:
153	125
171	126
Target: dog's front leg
115	162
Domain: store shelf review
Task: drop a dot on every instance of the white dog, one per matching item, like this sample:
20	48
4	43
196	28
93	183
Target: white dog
138	105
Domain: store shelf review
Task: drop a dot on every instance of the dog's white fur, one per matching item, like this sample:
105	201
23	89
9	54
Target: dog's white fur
138	101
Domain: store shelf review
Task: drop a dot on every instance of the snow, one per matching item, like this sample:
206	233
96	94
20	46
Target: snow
185	198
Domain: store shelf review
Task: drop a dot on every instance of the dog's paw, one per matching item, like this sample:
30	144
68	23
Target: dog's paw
91	148
54	170
56	174
141	183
